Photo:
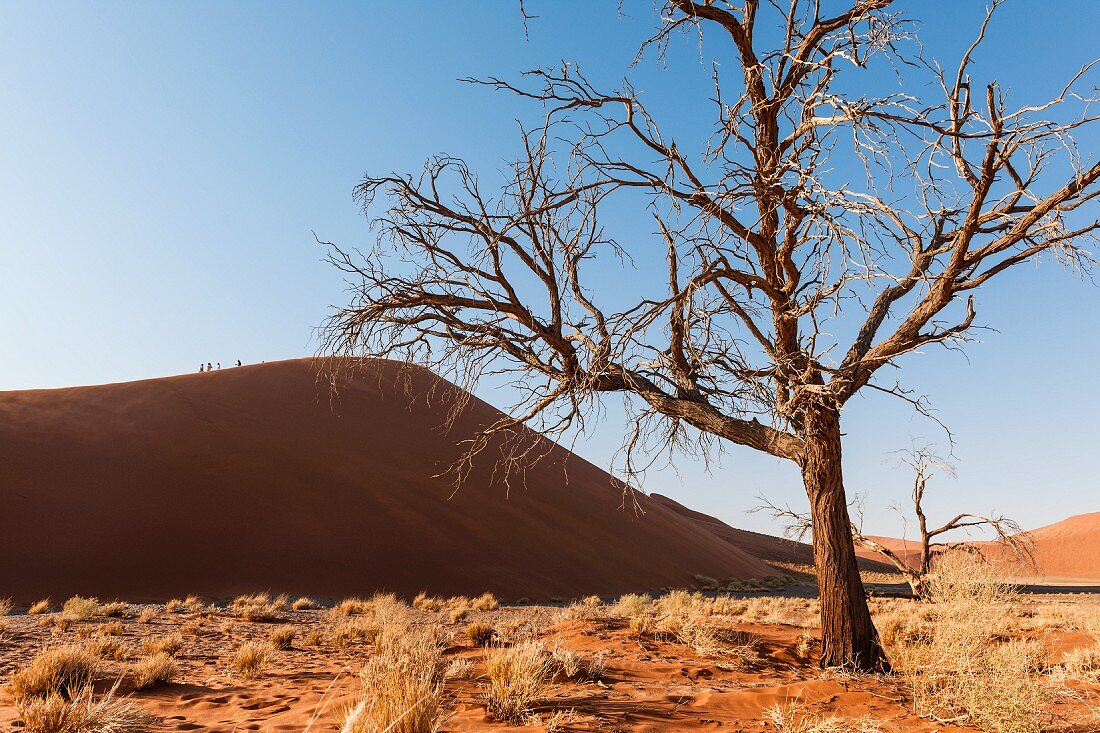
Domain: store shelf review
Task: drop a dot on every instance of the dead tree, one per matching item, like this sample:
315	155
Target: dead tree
1007	532
820	234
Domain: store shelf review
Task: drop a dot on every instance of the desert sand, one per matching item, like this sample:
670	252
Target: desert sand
759	660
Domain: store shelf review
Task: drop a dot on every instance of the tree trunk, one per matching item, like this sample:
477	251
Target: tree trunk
848	636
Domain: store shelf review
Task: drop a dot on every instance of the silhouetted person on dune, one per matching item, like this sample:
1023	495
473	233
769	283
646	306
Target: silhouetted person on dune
238	362
202	368
208	367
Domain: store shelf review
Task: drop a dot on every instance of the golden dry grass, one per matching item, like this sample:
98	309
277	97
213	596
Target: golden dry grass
62	670
114	609
485	602
154	669
251	659
282	637
170	644
39	607
480	632
79	607
401	685
304	604
85	713
518	677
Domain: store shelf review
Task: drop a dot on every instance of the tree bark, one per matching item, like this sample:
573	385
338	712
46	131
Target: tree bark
848	636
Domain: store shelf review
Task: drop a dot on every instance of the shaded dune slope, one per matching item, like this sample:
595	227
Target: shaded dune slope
257	478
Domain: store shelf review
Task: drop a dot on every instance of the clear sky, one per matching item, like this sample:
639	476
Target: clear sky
162	167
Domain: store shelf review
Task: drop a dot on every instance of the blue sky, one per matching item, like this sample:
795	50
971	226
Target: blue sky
164	164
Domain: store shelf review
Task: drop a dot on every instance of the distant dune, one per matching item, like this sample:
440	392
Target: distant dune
257	478
763	546
1068	550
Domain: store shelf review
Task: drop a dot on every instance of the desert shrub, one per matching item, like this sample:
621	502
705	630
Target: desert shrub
111	628
348	631
401	686
631	605
59	621
642	624
5	606
84	714
282	637
706	582
424	602
480	633
251	659
589	608
518	676
171	644
147	615
115	609
39	607
80	607
352	607
572	665
485	602
107	647
259	608
63	670
315	637
304	604
958	665
174	605
154	669
1083	663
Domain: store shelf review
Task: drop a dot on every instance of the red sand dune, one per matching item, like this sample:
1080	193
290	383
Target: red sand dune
252	479
1065	551
766	547
1068	550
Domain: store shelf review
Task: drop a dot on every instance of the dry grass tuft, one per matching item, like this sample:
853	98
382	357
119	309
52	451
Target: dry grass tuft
590	608
571	665
170	644
794	718
154	669
401	686
282	637
518	678
485	602
39	607
85	714
1083	663
63	670
111	628
79	607
251	659
631	605
424	602
108	647
115	609
5	606
480	633
259	608
147	615
305	604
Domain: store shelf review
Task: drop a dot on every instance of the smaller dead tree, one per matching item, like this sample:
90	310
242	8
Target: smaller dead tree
916	566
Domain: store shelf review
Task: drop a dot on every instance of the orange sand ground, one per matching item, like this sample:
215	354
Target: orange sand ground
649	684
